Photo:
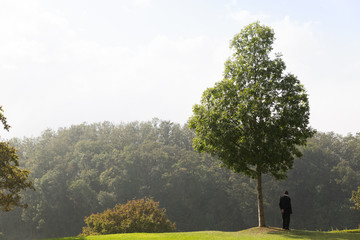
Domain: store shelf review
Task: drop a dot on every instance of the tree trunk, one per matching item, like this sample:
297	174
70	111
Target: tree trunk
261	215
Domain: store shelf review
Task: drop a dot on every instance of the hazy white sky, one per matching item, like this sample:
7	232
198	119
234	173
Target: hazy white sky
68	62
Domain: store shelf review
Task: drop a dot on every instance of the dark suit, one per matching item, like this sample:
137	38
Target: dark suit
285	206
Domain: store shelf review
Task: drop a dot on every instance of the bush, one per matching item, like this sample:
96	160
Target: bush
356	199
141	215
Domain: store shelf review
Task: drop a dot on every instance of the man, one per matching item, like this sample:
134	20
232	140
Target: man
285	206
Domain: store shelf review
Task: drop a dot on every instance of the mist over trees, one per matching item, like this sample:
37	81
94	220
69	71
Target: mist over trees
89	168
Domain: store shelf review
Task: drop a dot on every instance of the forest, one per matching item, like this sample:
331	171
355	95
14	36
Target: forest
88	168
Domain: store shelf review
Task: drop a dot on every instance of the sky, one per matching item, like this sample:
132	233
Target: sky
65	62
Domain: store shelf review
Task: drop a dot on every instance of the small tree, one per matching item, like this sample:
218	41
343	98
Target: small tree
356	199
12	179
141	215
254	119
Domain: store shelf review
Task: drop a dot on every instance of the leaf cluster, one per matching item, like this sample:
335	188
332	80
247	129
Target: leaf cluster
143	215
12	179
355	199
3	119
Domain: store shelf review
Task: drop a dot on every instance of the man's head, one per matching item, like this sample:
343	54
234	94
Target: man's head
286	192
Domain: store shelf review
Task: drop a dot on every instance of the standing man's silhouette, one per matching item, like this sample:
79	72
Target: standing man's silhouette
285	206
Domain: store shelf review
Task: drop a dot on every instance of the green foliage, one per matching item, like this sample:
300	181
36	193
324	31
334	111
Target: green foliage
142	215
12	179
355	199
3	119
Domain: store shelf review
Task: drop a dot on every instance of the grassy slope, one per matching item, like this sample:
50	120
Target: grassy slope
250	234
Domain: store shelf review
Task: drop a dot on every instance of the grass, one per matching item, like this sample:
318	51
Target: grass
249	234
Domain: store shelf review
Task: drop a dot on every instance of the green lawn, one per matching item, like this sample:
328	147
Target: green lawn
250	234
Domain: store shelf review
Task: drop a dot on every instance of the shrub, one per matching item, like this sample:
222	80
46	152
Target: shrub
356	199
142	215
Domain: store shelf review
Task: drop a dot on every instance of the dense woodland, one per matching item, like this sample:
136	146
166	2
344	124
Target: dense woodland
88	168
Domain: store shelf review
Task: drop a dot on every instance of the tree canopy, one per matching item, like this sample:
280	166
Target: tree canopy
12	179
255	119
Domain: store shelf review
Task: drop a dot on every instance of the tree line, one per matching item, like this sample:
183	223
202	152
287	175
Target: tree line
89	168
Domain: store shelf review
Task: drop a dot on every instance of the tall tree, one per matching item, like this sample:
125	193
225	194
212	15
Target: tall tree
256	117
12	178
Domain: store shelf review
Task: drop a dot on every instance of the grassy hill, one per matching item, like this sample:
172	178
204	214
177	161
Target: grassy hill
249	234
